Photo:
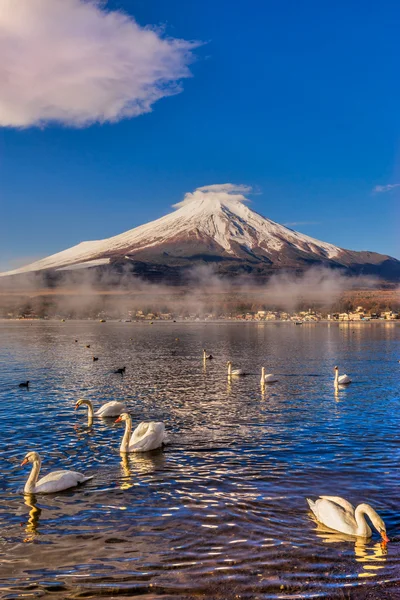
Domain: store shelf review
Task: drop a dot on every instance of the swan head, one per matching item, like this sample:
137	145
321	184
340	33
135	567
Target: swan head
384	536
79	403
30	457
380	527
336	368
229	363
123	417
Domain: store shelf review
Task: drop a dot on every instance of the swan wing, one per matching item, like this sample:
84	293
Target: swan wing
333	515
111	409
348	507
237	372
344	379
140	431
58	481
147	436
270	378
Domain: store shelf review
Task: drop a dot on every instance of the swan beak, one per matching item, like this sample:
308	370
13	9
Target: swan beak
384	536
118	420
76	406
24	462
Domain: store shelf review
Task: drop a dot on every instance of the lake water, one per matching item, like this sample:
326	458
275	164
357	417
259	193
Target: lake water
221	512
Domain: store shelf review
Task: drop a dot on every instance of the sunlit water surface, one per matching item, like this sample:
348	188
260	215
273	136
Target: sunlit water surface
221	512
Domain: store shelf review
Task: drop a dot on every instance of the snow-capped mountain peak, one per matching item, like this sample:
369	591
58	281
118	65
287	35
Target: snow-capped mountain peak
213	223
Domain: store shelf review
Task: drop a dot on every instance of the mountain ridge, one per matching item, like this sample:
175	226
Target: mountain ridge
214	225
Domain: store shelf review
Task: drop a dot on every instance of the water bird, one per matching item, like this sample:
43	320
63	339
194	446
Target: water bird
269	378
342	380
235	372
147	435
57	481
76	341
120	371
24	384
95	358
338	514
207	356
110	409
87	345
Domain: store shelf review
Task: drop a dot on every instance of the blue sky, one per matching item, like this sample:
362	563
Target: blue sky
298	99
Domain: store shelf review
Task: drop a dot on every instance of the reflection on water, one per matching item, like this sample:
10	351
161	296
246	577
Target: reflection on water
372	557
221	511
143	463
371	554
31	528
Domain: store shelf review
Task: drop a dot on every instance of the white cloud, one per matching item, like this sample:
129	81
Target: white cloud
72	62
386	188
225	187
217	191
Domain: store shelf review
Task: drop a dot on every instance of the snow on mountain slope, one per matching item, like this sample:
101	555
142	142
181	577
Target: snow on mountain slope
215	213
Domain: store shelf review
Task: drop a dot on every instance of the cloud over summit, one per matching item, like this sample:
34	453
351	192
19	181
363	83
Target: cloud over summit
72	62
216	191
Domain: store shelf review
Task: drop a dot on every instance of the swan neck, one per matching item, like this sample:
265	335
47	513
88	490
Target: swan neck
90	408
336	376
127	435
359	515
33	477
229	369
262	374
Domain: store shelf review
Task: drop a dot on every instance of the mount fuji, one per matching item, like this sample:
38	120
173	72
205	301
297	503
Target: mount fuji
212	225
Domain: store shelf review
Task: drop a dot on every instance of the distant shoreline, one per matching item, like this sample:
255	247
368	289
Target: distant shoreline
185	304
208	321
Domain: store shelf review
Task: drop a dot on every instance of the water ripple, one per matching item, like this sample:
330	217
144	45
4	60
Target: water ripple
220	512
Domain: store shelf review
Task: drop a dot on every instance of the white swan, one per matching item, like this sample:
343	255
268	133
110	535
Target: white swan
342	380
235	372
207	356
269	378
53	482
338	514
110	409
147	435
